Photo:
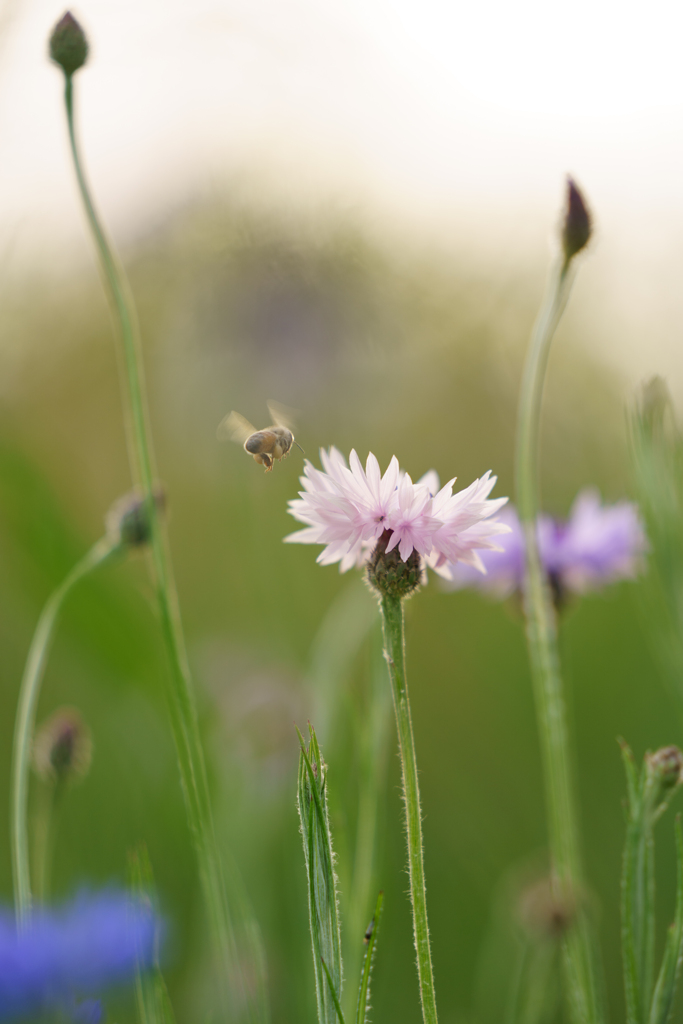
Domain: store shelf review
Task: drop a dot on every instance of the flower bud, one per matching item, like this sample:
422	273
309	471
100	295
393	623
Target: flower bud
127	522
389	574
665	767
577	226
542	913
62	748
68	45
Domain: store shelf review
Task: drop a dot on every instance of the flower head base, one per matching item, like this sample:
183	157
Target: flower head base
393	524
388	573
597	545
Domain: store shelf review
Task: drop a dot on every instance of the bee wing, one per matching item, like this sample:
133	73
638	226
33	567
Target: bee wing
234	427
282	415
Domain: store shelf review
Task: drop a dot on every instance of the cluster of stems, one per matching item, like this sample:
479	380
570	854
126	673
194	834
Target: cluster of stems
69	48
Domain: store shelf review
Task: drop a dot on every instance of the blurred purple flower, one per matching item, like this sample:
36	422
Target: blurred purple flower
79	949
597	545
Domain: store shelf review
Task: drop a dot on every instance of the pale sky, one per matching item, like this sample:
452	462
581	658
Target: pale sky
452	120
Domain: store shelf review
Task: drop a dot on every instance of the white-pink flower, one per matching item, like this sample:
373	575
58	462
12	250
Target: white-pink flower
412	524
348	508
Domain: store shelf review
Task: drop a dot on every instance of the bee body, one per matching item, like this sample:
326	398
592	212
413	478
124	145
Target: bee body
267	445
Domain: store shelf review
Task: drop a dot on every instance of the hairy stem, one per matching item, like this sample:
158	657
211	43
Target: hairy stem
394	650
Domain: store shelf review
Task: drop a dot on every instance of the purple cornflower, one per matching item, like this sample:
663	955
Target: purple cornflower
73	951
597	545
349	509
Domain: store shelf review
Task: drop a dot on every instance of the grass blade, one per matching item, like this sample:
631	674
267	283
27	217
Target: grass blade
322	881
371	941
154	1004
335	997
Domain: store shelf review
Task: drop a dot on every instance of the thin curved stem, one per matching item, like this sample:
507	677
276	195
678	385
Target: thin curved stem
563	829
394	649
180	690
103	551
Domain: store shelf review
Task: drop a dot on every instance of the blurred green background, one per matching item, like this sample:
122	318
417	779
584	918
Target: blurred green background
383	348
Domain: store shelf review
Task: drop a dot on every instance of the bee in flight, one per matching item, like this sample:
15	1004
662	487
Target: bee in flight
265	445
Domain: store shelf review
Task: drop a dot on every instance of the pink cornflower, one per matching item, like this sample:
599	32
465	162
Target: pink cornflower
348	508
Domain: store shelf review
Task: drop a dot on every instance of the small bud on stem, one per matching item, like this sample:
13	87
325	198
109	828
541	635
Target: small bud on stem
68	45
127	519
62	749
665	767
577	226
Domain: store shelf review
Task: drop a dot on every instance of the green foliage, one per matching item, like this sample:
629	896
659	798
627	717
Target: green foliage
322	881
657	452
388	350
649	794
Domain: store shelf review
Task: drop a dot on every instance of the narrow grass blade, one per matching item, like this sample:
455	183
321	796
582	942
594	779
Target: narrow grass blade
371	942
322	882
335	997
637	897
665	990
154	1004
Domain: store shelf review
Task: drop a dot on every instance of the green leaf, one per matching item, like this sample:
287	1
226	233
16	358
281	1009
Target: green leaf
665	991
371	941
322	881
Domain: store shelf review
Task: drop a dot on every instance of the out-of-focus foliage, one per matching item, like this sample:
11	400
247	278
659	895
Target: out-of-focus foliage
657	446
379	348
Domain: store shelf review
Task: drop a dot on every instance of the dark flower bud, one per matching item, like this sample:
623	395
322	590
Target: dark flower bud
62	749
68	45
127	521
542	913
389	574
577	226
665	767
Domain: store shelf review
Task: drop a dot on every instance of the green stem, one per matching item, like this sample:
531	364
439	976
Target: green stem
180	691
394	649
542	639
26	714
371	731
44	830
